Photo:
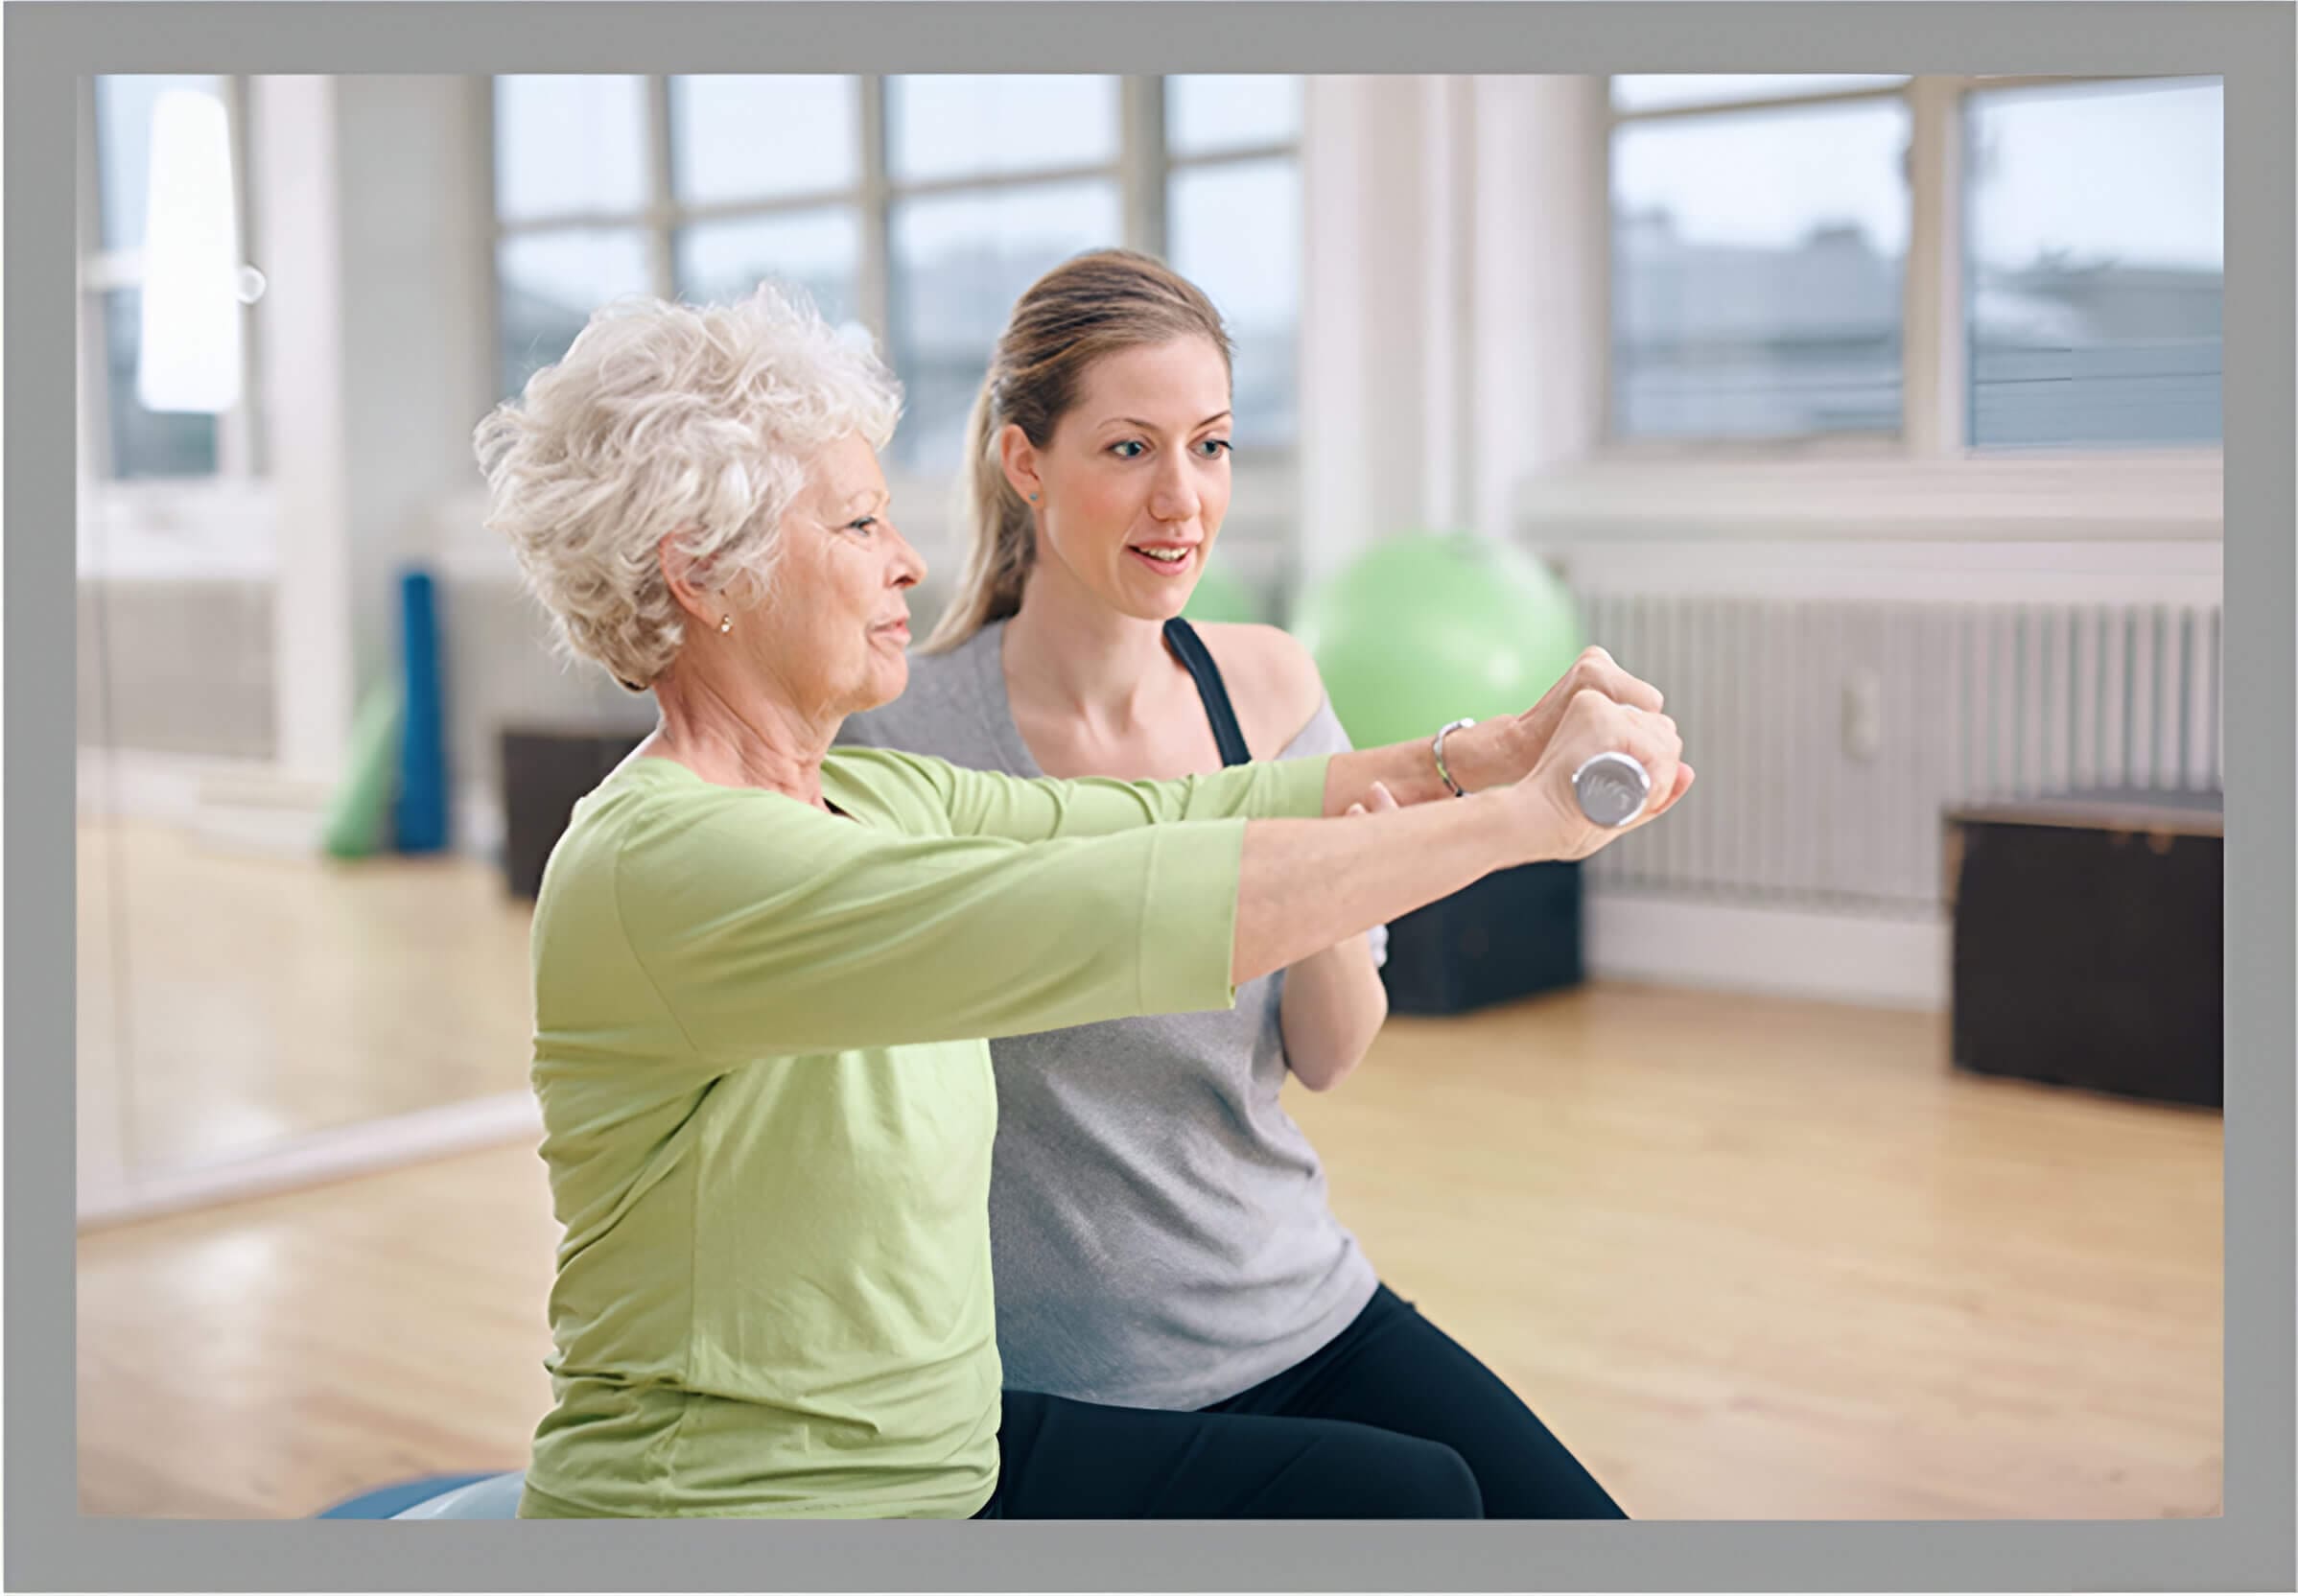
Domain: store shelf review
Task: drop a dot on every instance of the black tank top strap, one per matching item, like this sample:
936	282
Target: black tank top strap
1189	648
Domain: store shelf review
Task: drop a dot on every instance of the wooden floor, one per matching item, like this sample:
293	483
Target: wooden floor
1750	1259
230	1001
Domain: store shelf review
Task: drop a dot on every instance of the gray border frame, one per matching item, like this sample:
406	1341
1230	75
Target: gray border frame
2251	44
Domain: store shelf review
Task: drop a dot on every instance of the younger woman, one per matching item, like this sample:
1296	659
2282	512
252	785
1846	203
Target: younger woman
1159	1222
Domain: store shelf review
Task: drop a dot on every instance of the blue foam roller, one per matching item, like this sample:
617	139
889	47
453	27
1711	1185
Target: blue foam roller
419	817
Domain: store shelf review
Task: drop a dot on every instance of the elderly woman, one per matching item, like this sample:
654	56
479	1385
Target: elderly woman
764	972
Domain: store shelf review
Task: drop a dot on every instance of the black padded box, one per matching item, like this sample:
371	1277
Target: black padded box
1513	934
544	772
2089	942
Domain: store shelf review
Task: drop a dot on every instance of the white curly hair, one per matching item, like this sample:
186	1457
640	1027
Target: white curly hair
669	419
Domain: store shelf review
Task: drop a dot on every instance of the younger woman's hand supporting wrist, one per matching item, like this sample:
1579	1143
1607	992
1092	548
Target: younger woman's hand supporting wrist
1493	753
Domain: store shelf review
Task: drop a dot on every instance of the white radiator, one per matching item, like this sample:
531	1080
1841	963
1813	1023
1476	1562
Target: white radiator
1830	734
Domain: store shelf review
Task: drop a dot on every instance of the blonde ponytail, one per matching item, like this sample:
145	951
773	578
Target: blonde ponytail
1002	541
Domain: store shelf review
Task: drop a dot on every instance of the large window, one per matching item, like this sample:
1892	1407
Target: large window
124	440
2095	237
1234	228
915	207
992	180
1804	257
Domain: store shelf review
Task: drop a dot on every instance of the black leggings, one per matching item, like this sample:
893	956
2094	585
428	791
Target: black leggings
1391	1420
1392	1369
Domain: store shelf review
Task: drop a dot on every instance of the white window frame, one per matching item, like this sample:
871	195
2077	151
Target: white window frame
1265	480
1926	481
1142	171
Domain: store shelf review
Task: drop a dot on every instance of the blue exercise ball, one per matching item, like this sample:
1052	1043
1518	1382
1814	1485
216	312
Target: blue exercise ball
496	1497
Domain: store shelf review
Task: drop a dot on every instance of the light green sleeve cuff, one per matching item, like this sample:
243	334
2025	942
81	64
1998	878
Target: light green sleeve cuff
1272	789
1300	788
1190	917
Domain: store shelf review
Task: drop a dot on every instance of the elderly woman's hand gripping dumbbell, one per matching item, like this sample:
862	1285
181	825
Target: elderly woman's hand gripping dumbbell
1300	880
1469	755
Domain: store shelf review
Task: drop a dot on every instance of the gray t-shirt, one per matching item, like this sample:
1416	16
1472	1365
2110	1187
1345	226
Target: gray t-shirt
1159	1229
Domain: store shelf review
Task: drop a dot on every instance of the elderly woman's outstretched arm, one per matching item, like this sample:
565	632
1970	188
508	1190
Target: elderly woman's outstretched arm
988	802
768	926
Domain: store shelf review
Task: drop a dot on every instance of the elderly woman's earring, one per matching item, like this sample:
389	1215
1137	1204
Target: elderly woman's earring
726	624
1033	498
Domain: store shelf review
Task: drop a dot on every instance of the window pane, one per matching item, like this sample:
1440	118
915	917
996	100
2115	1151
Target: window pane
960	261
819	250
568	144
760	138
1756	262
980	127
123	149
551	282
145	443
1208	112
1235	233
1651	92
2097	264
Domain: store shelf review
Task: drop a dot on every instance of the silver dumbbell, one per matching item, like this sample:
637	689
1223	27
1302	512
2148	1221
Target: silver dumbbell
1612	789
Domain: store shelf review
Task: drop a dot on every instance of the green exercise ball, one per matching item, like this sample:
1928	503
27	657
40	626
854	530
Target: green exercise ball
1220	597
1431	627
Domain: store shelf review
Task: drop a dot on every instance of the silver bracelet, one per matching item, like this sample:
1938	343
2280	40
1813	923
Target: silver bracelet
1436	746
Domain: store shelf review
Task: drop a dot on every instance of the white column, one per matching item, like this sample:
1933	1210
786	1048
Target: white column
1448	337
1453	302
1365	315
1539	219
303	384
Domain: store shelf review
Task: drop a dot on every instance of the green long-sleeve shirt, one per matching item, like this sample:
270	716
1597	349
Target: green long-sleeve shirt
760	1049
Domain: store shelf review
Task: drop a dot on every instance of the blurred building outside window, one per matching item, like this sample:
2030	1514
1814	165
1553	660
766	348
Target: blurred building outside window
1767	263
2094	263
